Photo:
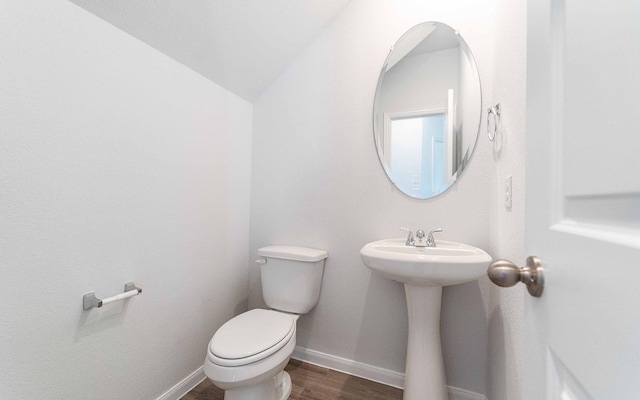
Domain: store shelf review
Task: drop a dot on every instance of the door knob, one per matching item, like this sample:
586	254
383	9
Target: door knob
506	274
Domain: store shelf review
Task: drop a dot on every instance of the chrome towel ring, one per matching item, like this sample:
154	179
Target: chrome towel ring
493	121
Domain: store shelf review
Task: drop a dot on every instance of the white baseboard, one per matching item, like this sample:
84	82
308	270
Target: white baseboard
184	386
370	372
461	394
355	368
350	367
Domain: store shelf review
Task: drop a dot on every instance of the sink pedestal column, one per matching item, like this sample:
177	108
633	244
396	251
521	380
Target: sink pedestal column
424	377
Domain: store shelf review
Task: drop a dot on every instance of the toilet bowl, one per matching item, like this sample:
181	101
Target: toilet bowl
247	355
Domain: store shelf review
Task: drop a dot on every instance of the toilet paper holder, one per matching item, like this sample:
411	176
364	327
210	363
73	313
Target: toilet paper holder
89	300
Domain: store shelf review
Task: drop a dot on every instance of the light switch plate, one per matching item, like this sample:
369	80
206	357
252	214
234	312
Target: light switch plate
508	192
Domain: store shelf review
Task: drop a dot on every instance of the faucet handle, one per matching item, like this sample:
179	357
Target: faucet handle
431	242
410	241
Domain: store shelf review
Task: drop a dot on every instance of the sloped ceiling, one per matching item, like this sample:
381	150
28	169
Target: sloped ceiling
242	45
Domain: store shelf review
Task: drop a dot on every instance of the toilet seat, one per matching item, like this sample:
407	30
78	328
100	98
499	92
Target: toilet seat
250	337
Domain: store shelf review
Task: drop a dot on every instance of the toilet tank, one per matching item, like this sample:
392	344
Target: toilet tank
291	277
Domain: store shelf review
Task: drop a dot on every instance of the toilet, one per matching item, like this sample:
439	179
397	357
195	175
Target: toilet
247	355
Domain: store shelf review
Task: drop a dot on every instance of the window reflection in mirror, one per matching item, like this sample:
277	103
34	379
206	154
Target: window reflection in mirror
416	152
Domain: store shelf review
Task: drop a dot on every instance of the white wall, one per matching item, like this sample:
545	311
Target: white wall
506	305
117	164
316	181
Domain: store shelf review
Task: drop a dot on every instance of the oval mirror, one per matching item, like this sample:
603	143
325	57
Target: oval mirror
427	109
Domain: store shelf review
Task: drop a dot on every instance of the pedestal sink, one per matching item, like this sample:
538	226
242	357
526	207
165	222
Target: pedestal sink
424	271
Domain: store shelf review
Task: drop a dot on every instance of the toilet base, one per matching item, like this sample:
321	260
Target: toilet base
277	388
283	389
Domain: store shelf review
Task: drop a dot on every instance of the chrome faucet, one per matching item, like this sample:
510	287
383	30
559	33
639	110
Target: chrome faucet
431	242
419	240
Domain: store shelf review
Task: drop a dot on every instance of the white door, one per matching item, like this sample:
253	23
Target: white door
582	337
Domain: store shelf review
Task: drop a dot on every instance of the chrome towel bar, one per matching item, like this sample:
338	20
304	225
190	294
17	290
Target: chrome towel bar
90	300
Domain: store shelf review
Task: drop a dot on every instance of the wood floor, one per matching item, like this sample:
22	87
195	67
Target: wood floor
314	383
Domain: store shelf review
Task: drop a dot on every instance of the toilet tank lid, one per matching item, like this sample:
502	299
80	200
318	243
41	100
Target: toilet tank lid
295	253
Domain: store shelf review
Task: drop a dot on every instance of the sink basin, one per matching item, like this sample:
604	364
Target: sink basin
450	263
424	271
